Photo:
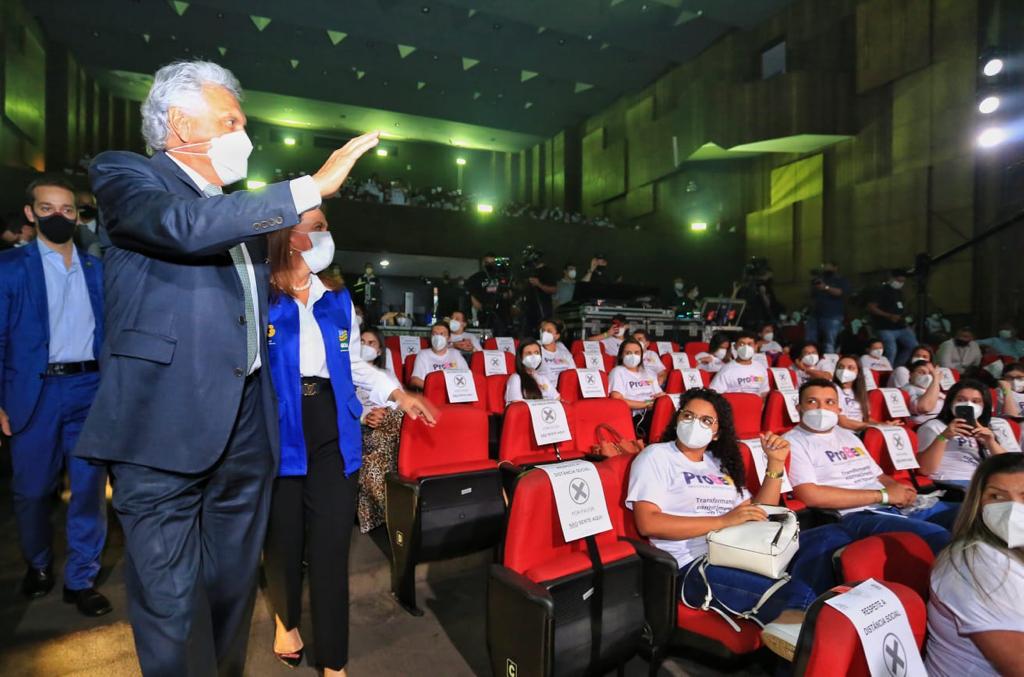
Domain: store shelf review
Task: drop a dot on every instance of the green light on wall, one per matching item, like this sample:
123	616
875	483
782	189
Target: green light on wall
485	208
460	161
289	140
698	226
253	184
382	152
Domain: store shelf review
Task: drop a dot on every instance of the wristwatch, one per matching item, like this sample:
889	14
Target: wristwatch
773	474
885	496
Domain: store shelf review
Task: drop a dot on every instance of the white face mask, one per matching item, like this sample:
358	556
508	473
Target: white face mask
1006	520
438	342
456	326
693	435
768	336
228	153
546	338
1018	385
572	274
531	361
922	380
1005	333
810	359
876	352
896	284
321	254
819	420
619	333
745	352
720	353
368	353
678	286
973	405
631	360
846	375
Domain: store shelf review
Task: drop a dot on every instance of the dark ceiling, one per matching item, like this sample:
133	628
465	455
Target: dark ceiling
531	66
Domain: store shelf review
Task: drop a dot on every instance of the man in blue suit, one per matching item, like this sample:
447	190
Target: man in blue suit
186	417
51	329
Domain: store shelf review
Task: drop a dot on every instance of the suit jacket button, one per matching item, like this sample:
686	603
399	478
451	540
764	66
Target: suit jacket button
256	226
278	221
241	319
238	372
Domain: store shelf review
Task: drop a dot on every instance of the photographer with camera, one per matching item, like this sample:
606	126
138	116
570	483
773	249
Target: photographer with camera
756	289
598	271
828	300
489	291
542	283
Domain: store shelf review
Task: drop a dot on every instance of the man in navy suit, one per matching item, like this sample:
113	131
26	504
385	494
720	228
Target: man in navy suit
186	416
51	329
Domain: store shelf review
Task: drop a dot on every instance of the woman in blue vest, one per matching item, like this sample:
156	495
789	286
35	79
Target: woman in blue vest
315	363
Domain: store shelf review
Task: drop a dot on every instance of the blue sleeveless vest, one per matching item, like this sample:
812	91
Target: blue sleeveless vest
333	313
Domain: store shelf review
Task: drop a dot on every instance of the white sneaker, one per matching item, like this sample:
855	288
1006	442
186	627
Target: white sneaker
781	638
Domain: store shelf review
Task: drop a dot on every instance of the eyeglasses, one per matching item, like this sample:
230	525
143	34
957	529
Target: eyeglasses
706	421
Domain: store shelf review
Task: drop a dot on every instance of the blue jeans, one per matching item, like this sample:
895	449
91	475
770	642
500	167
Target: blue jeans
932	524
811	571
899	345
825	330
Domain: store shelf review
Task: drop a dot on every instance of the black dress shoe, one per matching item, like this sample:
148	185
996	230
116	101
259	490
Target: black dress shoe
89	601
37	582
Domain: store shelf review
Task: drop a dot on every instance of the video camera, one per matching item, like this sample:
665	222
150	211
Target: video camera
758	268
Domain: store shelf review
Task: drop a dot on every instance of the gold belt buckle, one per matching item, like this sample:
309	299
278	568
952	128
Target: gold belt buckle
310	389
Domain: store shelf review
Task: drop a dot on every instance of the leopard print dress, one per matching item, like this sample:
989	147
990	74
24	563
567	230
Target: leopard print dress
380	456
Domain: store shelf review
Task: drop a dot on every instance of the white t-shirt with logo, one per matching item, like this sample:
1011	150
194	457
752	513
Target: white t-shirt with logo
639	385
741	378
514	388
661	474
989	596
472	338
850	405
837	458
653	362
714	365
961	457
556	361
919	416
875	363
611	345
428	361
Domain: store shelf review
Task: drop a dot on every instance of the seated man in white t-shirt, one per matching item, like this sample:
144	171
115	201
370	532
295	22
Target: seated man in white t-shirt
460	339
439	357
830	469
611	340
651	358
874	359
742	374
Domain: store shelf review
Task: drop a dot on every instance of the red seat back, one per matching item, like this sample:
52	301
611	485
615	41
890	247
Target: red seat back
784	360
517	437
776	417
591	413
771	378
496	393
476	363
410	362
746	413
876	445
837	650
492	343
459	436
881	376
674	382
876	405
693	348
435	389
662	417
569	385
898	557
614	474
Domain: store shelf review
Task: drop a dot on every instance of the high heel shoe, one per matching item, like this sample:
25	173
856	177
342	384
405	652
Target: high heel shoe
292	659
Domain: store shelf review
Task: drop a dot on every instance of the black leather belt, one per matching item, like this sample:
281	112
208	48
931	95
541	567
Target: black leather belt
69	368
314	385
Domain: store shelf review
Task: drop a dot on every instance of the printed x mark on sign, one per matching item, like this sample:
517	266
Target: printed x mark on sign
548	415
579	490
895	656
460	380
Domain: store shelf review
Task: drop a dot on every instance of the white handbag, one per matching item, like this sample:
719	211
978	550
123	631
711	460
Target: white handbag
764	548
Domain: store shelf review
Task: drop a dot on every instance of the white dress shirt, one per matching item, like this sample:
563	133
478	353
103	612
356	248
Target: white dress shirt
304	200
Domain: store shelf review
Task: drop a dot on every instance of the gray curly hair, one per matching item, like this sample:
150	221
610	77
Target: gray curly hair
180	85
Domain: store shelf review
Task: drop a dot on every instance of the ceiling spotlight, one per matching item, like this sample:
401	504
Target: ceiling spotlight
460	161
288	140
485	208
993	67
382	152
384	263
991	137
989	105
698	226
425	9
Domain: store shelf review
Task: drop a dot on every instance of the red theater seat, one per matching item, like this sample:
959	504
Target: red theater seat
877	408
589	414
776	414
569	385
410	362
784	361
519	446
435	389
492	343
746	413
693	348
874	442
446	498
881	376
771	378
476	362
898	557
662	417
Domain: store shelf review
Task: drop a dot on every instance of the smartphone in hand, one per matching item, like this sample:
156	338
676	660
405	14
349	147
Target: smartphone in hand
965	412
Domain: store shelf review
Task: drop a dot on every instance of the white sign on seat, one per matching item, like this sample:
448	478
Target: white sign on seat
664	347
591	384
550	424
791	396
783	378
592	347
594	361
1004	434
506	344
901	452
460	384
869	380
579	499
410	345
691	379
494	363
680	361
894	402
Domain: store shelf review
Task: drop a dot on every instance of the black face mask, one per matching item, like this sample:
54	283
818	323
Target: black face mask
57	228
490	268
87	213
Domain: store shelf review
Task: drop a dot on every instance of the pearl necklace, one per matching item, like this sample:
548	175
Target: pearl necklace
304	287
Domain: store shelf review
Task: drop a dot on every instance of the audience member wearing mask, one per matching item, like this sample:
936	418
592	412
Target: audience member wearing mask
381	426
828	297
926	396
717	355
556	357
315	360
651	358
767	342
612	338
1011	391
830	469
529	383
854	410
900	376
439	357
960	352
874	358
16	231
805	360
87	235
742	374
976	600
888	317
52	328
949	448
633	382
1005	342
676	297
462	340
566	285
677	516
